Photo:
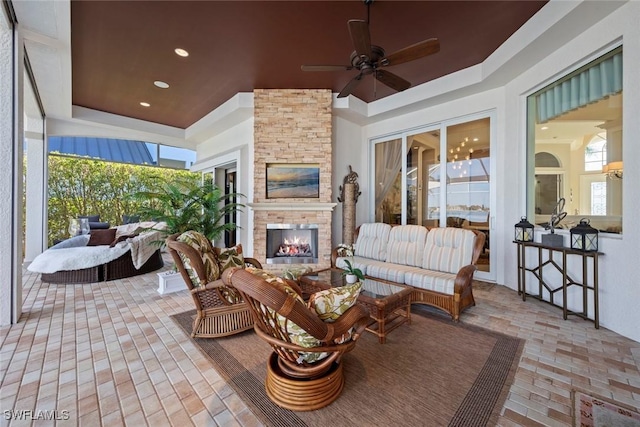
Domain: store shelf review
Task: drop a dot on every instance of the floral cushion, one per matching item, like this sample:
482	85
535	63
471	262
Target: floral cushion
297	335
294	273
230	257
332	303
199	242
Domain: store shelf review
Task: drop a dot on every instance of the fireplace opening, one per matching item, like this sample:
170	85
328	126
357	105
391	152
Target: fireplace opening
292	243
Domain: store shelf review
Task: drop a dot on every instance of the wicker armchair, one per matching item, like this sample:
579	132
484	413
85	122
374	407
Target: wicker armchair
292	382
221	311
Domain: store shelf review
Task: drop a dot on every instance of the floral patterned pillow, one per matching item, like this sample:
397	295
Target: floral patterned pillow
332	303
199	242
294	273
230	257
297	335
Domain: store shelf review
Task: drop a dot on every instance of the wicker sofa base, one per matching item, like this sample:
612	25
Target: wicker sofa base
452	304
117	269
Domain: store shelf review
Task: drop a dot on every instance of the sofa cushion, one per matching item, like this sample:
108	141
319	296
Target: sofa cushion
448	249
332	303
102	237
436	281
201	244
406	245
91	218
230	257
388	271
356	262
372	241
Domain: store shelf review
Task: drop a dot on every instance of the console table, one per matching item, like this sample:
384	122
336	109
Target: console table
567	280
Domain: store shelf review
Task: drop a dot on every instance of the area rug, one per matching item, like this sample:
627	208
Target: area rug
596	411
432	372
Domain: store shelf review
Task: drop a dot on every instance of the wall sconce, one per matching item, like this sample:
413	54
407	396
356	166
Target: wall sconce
613	170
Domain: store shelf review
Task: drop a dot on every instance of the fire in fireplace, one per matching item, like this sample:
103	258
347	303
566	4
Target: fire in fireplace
292	243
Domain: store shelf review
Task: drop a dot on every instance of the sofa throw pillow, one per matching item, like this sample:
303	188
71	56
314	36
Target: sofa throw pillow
102	237
332	303
230	257
297	335
200	243
73	242
91	218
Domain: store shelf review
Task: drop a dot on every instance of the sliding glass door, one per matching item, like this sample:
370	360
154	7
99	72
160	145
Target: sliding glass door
438	176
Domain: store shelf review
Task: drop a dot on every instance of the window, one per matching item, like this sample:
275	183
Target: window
437	176
575	130
595	153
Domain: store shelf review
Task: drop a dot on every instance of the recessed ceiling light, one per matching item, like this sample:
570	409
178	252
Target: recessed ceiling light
161	84
544	127
182	52
145	104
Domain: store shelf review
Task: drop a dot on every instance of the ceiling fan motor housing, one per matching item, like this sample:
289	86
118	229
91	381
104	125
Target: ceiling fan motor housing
365	64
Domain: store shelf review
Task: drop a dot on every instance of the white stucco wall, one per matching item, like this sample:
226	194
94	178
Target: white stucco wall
619	291
234	145
349	149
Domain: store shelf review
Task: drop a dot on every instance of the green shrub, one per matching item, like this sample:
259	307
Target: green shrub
86	186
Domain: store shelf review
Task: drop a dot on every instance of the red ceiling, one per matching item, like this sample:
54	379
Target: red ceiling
120	47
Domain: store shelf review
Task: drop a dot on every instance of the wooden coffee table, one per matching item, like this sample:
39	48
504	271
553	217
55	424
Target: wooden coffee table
389	304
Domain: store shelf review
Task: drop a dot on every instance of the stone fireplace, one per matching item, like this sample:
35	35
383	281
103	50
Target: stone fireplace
292	126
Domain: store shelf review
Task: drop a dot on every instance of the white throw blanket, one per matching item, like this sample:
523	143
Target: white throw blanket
53	260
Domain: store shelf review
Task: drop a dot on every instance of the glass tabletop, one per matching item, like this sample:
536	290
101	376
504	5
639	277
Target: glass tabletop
370	287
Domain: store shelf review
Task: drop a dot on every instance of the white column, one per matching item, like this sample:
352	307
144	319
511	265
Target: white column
11	152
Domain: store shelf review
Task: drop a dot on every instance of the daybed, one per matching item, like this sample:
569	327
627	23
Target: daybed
438	263
103	255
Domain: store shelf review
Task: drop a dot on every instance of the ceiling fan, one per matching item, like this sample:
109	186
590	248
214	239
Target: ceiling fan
370	59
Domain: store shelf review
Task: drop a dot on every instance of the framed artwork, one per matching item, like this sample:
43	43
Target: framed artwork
293	180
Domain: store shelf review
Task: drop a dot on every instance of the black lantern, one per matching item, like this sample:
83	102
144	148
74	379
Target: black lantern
584	237
524	230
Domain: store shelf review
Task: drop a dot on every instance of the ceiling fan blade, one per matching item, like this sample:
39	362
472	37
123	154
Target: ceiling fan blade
360	37
325	67
409	53
346	91
393	81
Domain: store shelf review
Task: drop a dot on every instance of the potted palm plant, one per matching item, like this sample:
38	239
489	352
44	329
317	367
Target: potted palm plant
187	204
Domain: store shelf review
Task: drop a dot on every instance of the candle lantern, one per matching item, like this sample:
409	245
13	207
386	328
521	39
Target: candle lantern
584	237
524	231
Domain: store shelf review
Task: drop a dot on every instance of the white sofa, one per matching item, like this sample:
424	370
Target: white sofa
437	262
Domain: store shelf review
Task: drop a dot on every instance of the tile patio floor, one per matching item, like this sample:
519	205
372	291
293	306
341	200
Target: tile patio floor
109	354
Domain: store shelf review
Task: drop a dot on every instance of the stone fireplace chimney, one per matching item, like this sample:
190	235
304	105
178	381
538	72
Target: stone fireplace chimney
294	127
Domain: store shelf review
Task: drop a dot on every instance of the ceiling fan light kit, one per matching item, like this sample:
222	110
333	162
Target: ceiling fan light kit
368	59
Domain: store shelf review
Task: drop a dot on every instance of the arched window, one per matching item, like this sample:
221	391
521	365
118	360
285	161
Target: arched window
546	160
595	153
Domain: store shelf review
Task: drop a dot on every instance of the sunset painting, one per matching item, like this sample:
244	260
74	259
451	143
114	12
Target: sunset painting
293	181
